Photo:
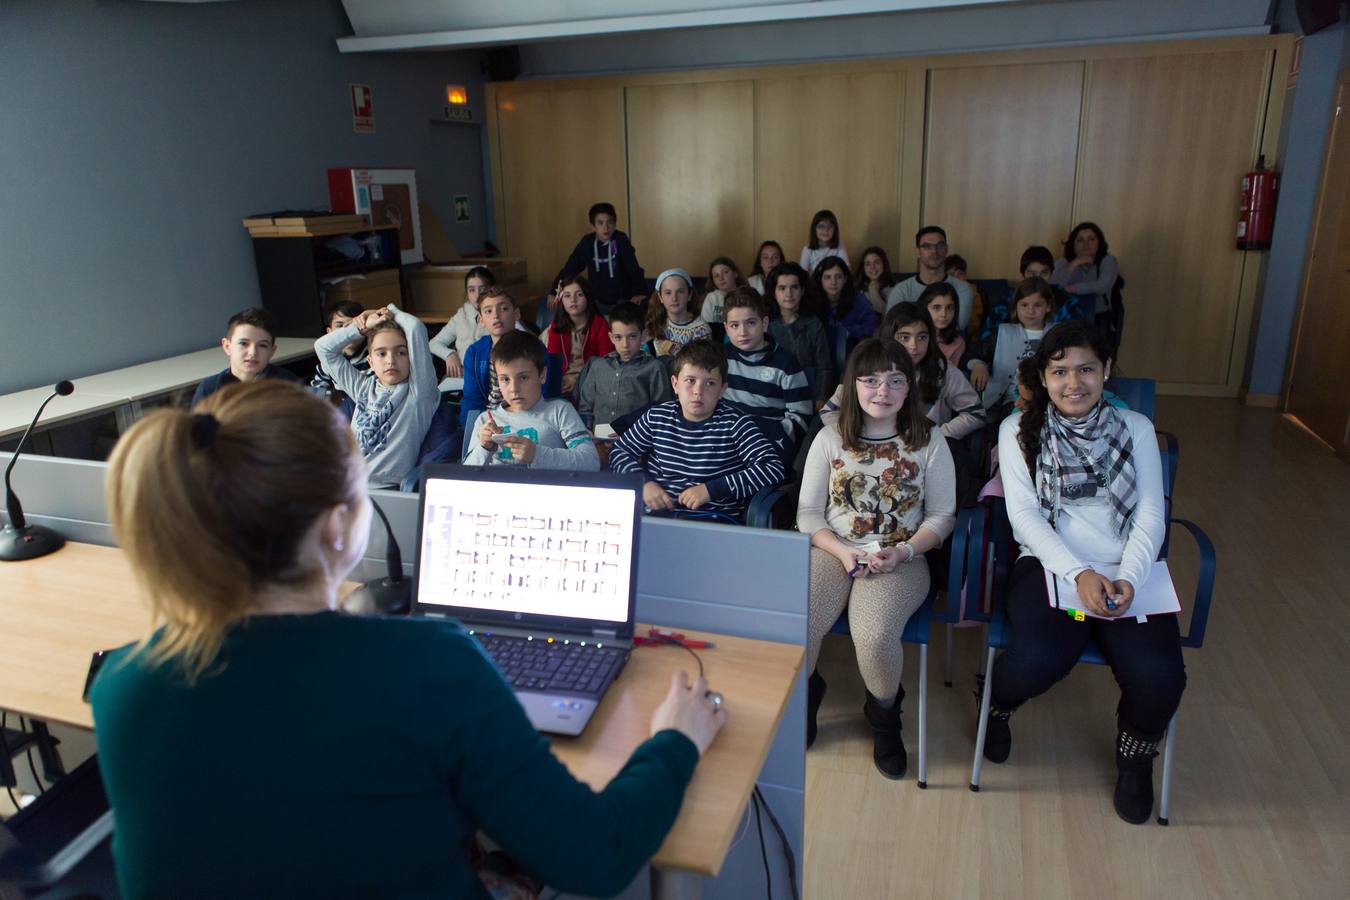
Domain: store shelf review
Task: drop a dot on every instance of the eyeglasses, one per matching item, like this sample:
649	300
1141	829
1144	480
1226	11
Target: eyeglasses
940	245
873	383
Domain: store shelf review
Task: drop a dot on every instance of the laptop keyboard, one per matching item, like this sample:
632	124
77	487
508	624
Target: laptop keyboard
540	666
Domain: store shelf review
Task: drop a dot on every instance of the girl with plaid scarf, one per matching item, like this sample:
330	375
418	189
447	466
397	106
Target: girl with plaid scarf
1084	488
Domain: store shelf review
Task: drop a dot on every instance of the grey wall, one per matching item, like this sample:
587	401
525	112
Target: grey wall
1307	121
973	28
137	135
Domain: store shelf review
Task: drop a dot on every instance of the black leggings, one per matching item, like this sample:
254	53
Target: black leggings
1045	643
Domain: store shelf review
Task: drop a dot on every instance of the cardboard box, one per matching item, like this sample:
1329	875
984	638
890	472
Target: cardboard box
439	290
373	290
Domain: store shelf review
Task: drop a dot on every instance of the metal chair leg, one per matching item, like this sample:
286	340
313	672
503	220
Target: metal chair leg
1168	756
923	715
947	674
985	702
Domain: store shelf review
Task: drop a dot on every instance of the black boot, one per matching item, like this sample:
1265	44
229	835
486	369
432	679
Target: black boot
888	748
997	734
1134	777
815	693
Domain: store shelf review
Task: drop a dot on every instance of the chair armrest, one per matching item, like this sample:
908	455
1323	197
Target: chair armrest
1204	585
967	539
1171	459
759	514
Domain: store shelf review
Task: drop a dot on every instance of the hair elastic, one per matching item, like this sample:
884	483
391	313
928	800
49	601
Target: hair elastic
204	429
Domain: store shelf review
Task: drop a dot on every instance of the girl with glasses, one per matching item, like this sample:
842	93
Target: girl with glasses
878	492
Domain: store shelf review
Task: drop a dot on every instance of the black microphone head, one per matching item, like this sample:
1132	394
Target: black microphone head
65	388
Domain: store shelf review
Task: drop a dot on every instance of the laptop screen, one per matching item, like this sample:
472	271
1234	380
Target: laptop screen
515	550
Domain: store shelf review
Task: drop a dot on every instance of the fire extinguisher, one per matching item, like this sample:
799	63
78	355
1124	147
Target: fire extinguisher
1256	215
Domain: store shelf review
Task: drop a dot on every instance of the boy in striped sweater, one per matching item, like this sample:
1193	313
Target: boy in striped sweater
764	379
696	451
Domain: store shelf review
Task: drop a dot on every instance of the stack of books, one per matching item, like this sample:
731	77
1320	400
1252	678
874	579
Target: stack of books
304	223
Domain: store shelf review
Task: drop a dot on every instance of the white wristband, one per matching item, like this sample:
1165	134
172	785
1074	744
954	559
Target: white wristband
909	548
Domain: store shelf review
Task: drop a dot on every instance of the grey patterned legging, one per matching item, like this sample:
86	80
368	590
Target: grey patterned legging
878	608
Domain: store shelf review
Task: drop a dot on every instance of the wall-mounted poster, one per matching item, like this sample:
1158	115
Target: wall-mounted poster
388	196
461	208
363	109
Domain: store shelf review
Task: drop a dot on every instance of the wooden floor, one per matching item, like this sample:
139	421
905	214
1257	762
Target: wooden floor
1261	799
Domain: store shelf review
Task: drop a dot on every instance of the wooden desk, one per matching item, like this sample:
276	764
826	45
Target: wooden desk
122	390
16	410
59	609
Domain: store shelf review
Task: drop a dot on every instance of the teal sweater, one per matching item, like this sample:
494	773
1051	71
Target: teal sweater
335	756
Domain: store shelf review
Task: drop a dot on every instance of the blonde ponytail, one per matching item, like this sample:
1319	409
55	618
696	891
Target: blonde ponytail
210	506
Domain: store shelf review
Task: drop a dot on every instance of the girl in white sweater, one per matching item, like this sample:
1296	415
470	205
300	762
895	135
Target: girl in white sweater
823	241
1084	488
878	492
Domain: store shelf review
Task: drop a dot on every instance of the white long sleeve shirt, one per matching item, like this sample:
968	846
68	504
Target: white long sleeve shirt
1083	537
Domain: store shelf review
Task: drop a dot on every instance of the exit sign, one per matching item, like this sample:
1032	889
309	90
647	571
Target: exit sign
459	114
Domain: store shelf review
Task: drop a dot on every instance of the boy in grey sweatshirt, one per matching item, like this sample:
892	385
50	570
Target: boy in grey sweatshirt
396	399
626	380
528	430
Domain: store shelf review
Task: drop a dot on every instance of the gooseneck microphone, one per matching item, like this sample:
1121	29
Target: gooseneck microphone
19	540
388	596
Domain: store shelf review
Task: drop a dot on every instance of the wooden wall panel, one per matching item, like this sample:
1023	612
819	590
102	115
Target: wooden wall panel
829	142
999	155
1165	142
691	164
560	151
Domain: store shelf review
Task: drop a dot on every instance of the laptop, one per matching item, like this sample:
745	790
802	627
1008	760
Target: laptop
541	568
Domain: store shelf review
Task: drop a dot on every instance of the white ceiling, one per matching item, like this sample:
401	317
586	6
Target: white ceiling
452	24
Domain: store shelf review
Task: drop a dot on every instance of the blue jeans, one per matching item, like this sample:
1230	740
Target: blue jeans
1044	644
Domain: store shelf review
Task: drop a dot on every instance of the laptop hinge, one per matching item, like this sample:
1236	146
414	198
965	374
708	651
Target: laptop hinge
608	634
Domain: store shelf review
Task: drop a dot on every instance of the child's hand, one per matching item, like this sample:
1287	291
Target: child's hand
694	497
655	497
883	561
1093	588
486	432
522	448
370	318
979	375
852	558
552	299
454	367
1124	596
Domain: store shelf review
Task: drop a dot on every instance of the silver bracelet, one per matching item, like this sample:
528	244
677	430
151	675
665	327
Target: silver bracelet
908	546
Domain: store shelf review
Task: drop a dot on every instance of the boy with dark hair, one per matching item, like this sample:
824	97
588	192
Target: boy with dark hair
527	429
626	379
339	314
930	249
607	257
249	342
394	408
764	379
696	451
500	316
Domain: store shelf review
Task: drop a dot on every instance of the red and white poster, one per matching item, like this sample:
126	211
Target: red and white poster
363	109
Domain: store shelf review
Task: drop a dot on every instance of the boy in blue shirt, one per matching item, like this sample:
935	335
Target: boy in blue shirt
697	451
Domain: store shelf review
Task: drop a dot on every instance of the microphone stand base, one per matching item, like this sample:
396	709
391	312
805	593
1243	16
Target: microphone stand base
384	597
28	542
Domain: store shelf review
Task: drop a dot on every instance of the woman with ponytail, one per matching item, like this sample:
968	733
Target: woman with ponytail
261	742
1084	489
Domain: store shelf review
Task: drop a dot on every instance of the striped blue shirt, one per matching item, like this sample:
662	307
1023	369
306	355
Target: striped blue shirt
726	451
769	384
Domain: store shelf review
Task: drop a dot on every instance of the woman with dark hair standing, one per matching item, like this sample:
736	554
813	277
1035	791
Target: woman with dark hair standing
261	742
1084	488
1087	270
